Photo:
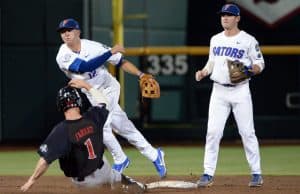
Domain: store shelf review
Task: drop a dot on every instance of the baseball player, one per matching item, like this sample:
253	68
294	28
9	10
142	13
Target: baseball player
78	142
84	59
231	44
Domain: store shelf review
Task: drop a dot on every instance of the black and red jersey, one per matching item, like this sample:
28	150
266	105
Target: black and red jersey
78	144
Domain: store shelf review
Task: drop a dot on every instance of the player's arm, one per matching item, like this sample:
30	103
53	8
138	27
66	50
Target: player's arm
40	169
49	151
207	69
256	69
130	68
256	56
97	95
82	66
126	65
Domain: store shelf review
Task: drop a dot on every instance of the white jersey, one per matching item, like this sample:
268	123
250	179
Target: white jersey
99	77
227	97
103	81
242	47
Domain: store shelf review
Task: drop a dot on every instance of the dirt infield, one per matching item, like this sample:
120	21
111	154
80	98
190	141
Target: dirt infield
223	184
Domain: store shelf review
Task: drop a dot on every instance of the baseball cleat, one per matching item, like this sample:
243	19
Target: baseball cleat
256	181
205	181
129	185
120	167
159	164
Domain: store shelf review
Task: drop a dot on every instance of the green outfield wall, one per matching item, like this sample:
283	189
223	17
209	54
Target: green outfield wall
30	77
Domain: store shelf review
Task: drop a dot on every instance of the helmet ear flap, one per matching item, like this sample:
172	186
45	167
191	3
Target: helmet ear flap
68	97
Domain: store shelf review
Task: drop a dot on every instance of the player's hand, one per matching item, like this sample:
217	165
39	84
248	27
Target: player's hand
117	49
27	185
78	83
201	74
255	69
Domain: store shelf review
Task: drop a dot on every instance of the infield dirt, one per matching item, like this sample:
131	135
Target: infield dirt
222	184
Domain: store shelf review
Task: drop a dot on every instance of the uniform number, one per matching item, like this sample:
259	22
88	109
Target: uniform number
167	64
92	74
89	145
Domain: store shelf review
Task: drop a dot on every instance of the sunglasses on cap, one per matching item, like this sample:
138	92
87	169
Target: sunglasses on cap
65	30
227	14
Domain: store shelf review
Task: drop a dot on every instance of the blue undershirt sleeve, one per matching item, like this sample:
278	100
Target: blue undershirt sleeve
81	66
120	62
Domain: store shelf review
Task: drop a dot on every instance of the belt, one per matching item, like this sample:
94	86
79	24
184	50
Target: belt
226	85
80	179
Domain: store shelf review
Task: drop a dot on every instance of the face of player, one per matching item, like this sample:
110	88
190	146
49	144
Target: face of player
229	21
70	36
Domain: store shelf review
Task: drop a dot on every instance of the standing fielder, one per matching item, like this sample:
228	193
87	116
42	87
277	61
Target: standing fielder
84	59
231	44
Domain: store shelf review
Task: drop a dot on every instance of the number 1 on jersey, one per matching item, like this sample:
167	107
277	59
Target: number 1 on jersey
90	148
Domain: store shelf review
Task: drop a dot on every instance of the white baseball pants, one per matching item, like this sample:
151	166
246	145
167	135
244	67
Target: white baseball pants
223	100
118	121
105	175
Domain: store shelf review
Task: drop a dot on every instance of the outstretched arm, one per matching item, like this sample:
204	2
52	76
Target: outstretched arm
98	96
131	68
40	169
82	66
78	83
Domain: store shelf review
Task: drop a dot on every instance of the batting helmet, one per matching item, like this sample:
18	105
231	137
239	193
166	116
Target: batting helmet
68	97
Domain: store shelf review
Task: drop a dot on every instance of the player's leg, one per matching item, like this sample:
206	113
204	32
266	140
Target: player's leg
219	110
130	185
243	113
121	161
112	144
124	127
107	175
104	175
218	113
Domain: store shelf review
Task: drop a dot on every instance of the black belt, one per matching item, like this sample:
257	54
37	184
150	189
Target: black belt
80	179
226	85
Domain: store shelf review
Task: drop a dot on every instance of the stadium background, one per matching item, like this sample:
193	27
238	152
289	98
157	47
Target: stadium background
30	77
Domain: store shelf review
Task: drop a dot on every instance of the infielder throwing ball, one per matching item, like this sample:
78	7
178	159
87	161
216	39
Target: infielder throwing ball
85	59
77	142
234	56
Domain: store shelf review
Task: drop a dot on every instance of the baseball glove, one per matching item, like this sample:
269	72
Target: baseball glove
238	72
149	86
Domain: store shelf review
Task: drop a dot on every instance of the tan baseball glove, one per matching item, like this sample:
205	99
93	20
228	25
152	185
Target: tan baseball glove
149	86
238	72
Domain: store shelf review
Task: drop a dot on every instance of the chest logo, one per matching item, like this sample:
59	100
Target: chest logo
229	52
67	57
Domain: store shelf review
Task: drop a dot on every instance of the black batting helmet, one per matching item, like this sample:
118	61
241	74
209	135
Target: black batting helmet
68	97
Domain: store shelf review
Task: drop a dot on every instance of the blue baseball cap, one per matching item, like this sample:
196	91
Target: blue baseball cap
69	23
231	9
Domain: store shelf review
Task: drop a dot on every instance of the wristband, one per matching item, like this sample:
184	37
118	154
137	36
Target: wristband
140	74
